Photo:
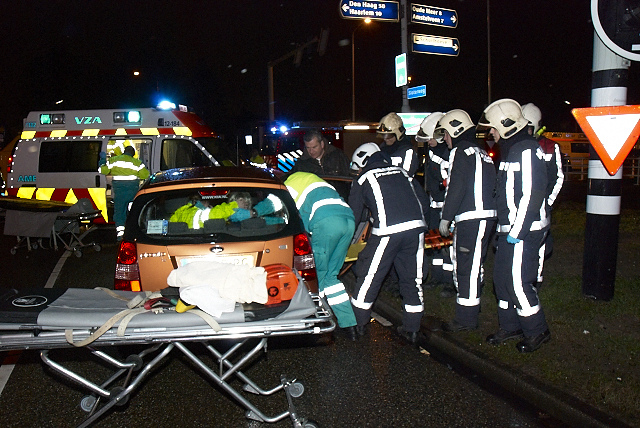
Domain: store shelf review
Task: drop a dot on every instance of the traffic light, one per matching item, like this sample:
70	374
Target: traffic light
619	21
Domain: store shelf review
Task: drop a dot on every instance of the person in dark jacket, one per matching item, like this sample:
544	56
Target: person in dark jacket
469	203
555	175
320	157
397	237
397	144
435	181
521	189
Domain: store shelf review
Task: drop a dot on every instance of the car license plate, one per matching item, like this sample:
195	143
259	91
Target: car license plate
239	259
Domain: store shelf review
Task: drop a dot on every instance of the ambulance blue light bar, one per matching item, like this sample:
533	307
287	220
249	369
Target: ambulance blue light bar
132	116
52	119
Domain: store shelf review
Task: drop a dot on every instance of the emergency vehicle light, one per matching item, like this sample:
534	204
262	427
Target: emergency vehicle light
51	119
166	105
127	116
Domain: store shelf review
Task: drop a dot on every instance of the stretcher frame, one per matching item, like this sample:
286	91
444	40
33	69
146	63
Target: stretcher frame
161	342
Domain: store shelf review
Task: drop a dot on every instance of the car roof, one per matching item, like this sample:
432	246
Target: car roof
201	175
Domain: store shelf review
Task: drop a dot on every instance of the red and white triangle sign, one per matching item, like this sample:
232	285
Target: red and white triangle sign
612	131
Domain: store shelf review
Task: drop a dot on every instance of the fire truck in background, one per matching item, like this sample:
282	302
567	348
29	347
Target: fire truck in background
56	156
281	146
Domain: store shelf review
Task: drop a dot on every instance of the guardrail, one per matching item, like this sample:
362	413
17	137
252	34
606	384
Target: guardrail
576	169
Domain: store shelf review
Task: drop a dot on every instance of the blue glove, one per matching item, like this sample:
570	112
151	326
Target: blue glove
512	240
103	159
240	214
264	207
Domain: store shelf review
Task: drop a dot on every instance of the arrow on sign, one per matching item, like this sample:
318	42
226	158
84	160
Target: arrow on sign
611	130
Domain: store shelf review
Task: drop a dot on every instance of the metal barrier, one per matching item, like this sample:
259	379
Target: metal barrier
577	168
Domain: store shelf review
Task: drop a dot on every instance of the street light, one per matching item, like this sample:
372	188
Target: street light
353	70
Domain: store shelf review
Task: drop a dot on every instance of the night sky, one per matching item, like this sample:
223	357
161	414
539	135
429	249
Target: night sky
213	56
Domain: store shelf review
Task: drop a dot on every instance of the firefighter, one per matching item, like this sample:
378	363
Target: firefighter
555	175
435	178
329	221
469	203
126	172
521	188
397	237
397	144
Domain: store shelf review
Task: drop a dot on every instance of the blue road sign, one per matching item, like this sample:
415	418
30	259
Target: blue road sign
379	10
417	92
422	43
421	14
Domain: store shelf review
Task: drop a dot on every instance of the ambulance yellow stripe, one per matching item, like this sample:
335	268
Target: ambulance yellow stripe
58	133
121	131
99	196
27	135
44	194
71	197
26	192
149	131
90	132
182	130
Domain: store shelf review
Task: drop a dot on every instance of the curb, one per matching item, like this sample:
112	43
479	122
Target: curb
558	404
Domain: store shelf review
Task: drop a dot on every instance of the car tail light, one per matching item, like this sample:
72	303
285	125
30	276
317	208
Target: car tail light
127	275
303	260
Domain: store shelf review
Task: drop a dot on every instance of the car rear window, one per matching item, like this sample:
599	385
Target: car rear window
216	213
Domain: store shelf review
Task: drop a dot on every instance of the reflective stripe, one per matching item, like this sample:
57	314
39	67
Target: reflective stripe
523	308
359	300
334	289
413	309
323	202
536	225
503	304
309	189
125	177
341	298
397	228
474	215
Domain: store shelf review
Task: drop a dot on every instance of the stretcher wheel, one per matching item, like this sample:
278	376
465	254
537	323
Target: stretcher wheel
87	403
311	424
13	251
77	253
34	246
97	248
296	389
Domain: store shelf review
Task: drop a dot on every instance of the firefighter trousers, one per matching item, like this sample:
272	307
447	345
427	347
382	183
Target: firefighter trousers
470	242
404	251
514	276
330	239
441	264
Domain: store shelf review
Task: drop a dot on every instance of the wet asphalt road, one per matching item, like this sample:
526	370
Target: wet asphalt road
379	381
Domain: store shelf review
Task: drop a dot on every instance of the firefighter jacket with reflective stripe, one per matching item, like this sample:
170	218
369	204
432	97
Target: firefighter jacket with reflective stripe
391	196
521	186
471	182
125	167
315	198
437	167
402	154
555	175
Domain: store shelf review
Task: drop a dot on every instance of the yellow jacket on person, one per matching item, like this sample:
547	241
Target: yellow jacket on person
195	215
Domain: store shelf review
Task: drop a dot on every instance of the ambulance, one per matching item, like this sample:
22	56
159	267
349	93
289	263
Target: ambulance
56	157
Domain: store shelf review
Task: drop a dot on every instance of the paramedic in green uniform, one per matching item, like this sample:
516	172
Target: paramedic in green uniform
329	220
126	172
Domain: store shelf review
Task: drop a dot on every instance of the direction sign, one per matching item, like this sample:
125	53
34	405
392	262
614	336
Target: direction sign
378	10
422	43
612	131
421	14
417	92
401	70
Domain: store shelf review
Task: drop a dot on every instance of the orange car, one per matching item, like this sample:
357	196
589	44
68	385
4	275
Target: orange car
184	215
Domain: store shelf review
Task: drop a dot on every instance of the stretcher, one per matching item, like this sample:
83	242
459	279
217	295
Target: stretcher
94	320
32	221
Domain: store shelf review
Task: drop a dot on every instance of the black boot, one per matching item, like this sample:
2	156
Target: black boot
532	343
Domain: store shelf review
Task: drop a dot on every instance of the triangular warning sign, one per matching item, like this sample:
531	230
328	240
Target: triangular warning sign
612	131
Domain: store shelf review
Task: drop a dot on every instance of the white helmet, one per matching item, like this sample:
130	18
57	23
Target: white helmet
533	115
427	128
391	124
506	116
361	155
455	122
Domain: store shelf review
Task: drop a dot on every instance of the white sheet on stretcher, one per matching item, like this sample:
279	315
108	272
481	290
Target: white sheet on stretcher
88	308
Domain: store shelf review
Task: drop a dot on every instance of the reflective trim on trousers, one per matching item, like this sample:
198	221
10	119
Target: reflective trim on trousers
358	301
413	309
525	309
